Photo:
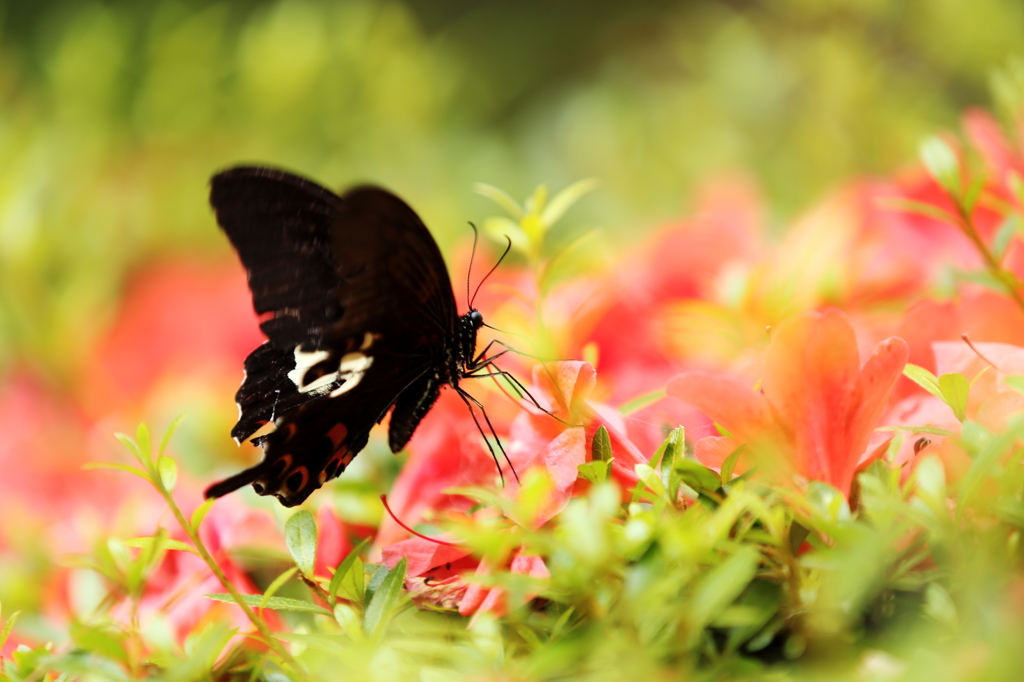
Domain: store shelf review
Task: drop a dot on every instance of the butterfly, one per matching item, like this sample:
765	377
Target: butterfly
357	307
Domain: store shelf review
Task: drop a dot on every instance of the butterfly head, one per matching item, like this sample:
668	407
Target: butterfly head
475	318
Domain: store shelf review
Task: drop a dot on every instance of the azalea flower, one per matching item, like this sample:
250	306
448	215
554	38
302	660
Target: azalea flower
817	405
540	444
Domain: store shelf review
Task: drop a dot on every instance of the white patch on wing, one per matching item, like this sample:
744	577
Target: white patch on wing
353	366
303	361
368	339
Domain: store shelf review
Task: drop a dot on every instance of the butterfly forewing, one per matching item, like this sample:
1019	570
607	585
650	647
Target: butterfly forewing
356	303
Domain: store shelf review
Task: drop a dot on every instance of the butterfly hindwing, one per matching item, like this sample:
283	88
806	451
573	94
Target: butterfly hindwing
356	303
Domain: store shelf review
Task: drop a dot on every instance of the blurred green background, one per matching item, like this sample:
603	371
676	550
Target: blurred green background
113	115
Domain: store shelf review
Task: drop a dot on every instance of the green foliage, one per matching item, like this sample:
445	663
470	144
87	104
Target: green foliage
698	578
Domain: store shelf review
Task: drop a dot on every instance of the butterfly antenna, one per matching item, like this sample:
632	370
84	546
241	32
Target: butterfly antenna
489	272
472	254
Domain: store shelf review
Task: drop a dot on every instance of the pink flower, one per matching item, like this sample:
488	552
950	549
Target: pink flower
817	406
434	575
559	446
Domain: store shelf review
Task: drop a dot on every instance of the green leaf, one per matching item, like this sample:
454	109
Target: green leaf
274	603
300	536
98	641
674	447
535	202
498	228
169	432
942	164
939	604
918	429
973	193
722	585
379	573
348	619
168	470
595	472
640	402
924	379
8	626
345	567
650	478
142	440
1004	235
564	200
601	445
729	465
276	585
697	476
955	389
166	543
132	447
384	599
200	513
921	208
499	197
119	467
1016	185
1015	382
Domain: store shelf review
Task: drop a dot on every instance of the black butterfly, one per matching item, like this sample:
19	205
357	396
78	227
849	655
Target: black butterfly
358	310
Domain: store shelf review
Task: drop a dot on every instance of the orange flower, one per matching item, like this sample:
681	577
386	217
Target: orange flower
817	406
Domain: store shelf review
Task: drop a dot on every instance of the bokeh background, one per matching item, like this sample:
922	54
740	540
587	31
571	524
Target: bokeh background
121	301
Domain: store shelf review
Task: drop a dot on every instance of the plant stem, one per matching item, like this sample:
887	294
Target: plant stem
193	535
1005	278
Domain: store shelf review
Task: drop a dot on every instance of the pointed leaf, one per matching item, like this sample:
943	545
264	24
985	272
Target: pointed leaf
729	465
300	536
168	433
595	472
278	582
955	389
166	543
973	193
564	200
274	603
640	402
200	513
499	228
723	584
8	626
119	467
384	599
697	476
601	445
501	198
942	164
132	447
142	440
168	472
345	567
1004	235
348	619
924	379
650	478
535	202
921	208
1015	382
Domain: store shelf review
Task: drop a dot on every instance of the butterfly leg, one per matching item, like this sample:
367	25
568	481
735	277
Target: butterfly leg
470	402
517	385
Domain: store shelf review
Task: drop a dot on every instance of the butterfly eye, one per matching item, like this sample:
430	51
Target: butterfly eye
476	318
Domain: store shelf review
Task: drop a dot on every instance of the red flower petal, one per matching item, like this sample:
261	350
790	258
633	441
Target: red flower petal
725	400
